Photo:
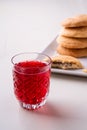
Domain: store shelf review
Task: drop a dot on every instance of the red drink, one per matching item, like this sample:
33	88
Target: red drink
31	82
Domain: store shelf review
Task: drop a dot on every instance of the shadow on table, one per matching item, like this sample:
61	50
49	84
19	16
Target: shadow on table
55	111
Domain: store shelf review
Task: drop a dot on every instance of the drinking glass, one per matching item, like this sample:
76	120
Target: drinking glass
31	78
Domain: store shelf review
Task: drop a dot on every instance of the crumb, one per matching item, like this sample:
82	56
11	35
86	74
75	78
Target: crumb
85	70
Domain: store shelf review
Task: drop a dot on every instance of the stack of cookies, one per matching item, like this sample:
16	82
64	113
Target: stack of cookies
72	40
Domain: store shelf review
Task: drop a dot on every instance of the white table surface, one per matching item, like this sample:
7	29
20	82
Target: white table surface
31	26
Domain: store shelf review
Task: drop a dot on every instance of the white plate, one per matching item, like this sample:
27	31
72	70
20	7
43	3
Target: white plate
51	51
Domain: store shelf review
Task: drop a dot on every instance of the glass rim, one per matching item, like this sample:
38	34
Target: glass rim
18	54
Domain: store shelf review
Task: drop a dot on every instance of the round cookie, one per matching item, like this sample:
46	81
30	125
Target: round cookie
74	43
66	62
77	32
72	52
77	21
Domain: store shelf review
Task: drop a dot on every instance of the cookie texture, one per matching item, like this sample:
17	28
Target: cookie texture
72	52
76	32
74	43
76	21
66	62
72	40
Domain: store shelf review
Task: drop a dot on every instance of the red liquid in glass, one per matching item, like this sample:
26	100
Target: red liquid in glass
31	81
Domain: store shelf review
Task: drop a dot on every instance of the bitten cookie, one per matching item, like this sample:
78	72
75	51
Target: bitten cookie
66	62
77	21
77	32
74	43
72	52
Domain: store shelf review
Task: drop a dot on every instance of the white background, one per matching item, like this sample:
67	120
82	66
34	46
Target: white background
31	26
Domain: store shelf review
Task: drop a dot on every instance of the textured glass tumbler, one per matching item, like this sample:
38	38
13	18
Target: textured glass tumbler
31	79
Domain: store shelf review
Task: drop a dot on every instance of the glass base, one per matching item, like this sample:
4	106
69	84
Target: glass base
32	106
